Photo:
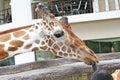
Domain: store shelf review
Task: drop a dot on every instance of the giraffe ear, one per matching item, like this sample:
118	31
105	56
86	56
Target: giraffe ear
64	20
44	12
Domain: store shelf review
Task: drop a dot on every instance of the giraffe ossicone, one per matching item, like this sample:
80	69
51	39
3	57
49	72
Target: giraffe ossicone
50	34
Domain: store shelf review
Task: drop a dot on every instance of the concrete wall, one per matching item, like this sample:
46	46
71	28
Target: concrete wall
97	29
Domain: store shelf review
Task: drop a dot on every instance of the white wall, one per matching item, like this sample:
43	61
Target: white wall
21	11
97	29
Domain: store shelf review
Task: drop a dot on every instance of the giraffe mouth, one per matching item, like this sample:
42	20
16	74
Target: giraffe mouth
93	63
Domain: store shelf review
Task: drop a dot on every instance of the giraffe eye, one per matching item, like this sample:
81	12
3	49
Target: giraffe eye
59	34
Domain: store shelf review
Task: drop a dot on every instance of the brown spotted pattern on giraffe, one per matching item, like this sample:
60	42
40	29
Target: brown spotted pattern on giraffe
36	27
38	23
78	57
35	49
26	37
50	42
73	38
48	49
10	48
37	41
52	38
43	47
54	51
74	55
56	47
64	48
47	37
78	52
4	38
73	47
70	55
44	22
51	24
43	43
47	26
28	46
68	26
49	29
82	48
60	44
18	33
78	42
16	43
60	53
47	41
65	54
69	50
3	54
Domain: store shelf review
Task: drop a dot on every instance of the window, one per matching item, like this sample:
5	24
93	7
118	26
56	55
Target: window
5	12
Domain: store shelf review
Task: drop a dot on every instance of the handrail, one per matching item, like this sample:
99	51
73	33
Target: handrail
57	69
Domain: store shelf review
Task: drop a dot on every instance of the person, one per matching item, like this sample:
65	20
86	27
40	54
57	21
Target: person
101	75
116	75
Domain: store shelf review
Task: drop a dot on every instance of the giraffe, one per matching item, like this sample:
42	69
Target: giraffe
49	34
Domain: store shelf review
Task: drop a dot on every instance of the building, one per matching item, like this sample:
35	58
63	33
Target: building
95	21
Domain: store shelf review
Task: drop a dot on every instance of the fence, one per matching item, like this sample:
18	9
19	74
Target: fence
58	69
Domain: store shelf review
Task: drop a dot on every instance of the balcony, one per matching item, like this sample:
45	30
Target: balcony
76	10
68	7
84	10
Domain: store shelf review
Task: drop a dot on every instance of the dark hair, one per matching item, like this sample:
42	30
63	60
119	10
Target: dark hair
101	75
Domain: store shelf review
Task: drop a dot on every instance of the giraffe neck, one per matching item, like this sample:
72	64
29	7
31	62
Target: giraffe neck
16	41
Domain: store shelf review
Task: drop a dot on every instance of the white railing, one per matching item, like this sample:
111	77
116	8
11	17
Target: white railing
105	5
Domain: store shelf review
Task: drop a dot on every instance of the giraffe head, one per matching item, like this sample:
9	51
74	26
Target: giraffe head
61	40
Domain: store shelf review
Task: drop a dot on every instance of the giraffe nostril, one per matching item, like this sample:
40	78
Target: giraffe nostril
59	34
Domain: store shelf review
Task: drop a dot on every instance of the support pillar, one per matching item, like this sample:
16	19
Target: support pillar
21	12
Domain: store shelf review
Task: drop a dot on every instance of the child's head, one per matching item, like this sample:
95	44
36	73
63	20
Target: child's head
101	75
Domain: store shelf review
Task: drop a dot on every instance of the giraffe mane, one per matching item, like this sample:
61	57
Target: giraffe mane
15	29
